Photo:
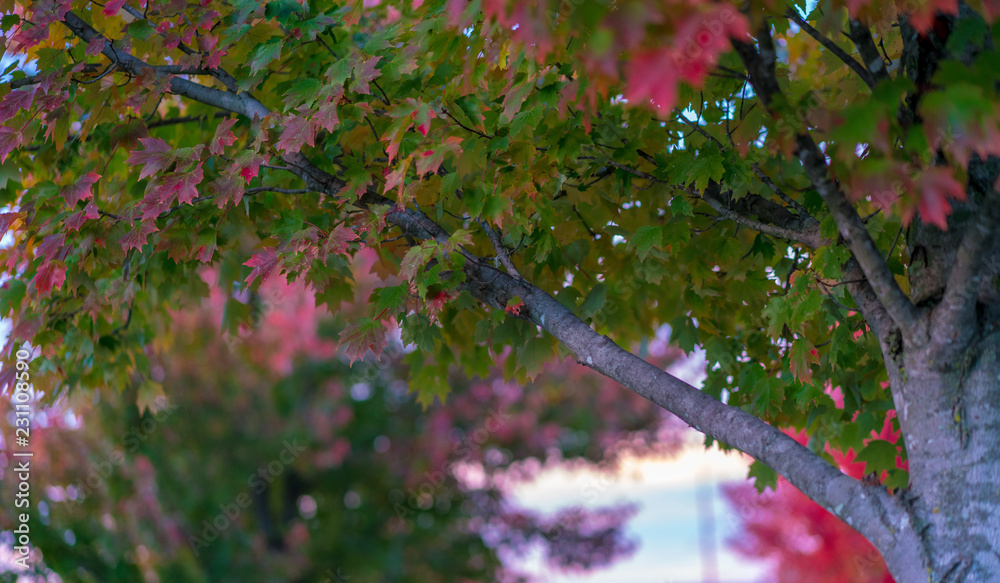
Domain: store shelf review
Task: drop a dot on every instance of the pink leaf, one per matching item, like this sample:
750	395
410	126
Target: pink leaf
156	157
6	220
364	73
298	131
81	189
9	139
223	137
50	246
14	102
936	185
112	7
652	78
227	188
137	238
95	46
187	184
76	220
339	240
50	275
326	117
263	263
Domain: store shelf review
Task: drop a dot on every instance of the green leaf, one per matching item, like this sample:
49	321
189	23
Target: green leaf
594	301
763	476
392	298
645	238
878	455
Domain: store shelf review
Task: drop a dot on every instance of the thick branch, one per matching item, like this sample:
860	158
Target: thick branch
954	320
852	229
861	36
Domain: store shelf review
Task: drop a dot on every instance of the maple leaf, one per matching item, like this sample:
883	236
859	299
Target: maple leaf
15	101
436	301
247	164
80	190
364	73
95	46
223	137
76	220
7	220
514	306
936	185
299	130
155	158
214	59
394	178
361	336
801	356
651	78
264	263
51	246
339	239
137	237
50	275
187	184
9	139
227	188
326	116
112	7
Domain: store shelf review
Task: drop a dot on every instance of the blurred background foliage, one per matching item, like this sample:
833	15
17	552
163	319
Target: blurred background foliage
256	453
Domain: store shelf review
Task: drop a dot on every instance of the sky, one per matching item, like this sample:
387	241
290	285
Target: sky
667	492
667	524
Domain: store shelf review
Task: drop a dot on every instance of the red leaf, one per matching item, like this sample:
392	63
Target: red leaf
263	263
156	157
95	46
247	164
51	274
436	302
14	102
223	137
9	139
227	188
514	308
651	78
298	131
187	184
326	117
6	220
936	185
111	7
80	190
137	238
339	240
51	246
214	58
361	336
76	220
364	73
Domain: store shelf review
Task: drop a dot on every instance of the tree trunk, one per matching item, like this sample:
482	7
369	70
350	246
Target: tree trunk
949	412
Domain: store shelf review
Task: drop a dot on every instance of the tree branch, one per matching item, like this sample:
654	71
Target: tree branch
954	319
852	229
861	36
868	508
833	47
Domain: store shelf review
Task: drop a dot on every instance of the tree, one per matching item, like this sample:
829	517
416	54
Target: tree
271	459
807	191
